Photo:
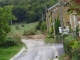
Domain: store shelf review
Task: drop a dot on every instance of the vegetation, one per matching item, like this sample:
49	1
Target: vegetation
57	25
50	39
5	17
43	27
7	53
72	47
9	44
28	10
23	27
74	6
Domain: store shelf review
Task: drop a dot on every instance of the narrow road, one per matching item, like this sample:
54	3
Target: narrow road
38	50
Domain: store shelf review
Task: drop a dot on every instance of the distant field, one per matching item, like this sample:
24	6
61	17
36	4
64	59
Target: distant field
27	27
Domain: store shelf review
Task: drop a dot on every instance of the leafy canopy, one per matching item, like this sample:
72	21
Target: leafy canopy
5	17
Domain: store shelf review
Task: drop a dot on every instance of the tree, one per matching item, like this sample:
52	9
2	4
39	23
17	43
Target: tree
74	6
5	17
20	13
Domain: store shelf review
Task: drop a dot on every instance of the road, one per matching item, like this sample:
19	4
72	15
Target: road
38	50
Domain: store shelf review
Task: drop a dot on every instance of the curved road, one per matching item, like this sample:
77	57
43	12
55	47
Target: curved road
38	50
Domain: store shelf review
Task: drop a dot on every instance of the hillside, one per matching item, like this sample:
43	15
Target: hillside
28	10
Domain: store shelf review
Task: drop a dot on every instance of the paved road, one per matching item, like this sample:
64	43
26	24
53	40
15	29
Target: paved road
38	50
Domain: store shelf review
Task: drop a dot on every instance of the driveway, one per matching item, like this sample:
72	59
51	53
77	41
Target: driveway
38	50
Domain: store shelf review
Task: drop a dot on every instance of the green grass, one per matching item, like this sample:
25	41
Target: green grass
28	27
7	53
49	40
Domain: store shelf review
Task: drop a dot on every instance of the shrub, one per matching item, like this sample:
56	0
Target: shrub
76	51
25	33
12	40
49	40
57	25
17	28
22	25
39	24
50	36
43	27
17	39
31	32
68	41
9	41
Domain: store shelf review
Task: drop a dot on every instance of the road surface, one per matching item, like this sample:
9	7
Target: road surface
38	50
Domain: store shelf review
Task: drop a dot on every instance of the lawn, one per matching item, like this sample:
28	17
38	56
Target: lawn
27	27
7	53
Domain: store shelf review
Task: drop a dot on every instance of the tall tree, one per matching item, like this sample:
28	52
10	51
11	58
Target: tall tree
5	17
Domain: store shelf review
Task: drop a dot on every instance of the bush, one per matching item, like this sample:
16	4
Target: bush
38	26
31	32
76	50
65	35
25	33
17	39
50	36
12	40
68	41
72	47
17	28
43	27
49	40
9	41
22	25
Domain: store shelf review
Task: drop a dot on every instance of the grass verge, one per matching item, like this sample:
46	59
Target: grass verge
64	57
49	40
7	53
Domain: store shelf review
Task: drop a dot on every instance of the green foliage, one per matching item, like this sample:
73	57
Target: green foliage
28	10
68	41
43	27
49	40
74	6
13	40
17	39
39	24
5	17
51	30
27	33
57	25
17	28
72	47
65	35
76	50
77	31
9	41
50	36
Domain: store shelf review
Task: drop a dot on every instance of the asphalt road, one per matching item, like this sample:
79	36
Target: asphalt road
38	50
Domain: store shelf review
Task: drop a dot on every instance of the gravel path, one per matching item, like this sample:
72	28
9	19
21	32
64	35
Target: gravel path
38	50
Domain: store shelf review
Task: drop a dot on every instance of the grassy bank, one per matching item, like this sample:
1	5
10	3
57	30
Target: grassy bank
24	26
7	53
49	40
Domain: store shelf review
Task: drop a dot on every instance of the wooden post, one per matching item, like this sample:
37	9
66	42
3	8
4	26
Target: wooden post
47	23
53	21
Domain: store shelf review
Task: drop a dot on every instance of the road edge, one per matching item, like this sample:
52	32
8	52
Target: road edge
15	56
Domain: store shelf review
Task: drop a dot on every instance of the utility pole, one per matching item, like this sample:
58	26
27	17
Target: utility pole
61	18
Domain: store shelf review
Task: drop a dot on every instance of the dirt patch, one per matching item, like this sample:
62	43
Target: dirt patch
38	36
